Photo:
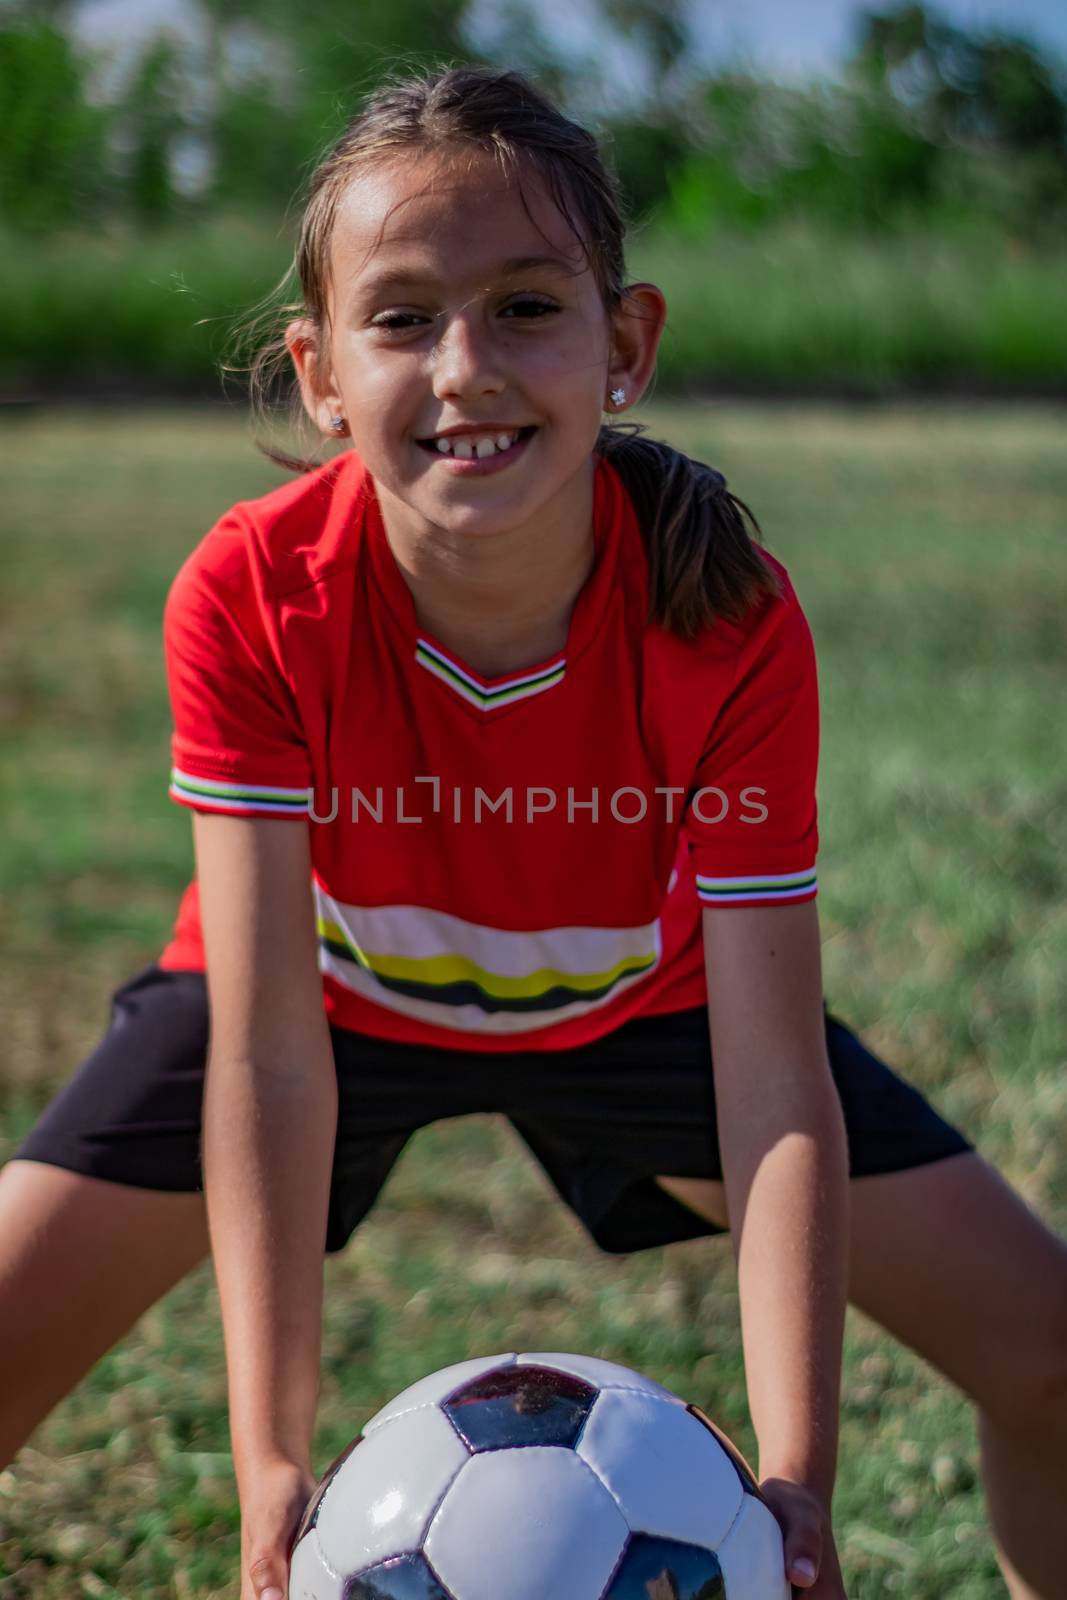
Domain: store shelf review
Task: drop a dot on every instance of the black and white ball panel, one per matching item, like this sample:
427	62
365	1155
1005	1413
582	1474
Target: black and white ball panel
520	1405
403	1578
664	1569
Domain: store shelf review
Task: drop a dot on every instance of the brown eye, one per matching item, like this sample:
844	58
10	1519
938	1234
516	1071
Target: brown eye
394	319
525	306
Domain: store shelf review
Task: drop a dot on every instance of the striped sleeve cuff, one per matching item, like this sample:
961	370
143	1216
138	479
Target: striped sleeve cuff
752	889
236	797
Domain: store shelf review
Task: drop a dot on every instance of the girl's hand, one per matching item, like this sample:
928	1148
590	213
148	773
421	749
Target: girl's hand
810	1557
272	1503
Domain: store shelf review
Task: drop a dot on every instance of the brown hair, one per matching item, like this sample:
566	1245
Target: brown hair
702	561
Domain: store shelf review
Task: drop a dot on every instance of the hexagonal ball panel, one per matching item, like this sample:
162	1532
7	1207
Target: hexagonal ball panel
519	1405
403	1578
670	1474
380	1500
666	1569
528	1524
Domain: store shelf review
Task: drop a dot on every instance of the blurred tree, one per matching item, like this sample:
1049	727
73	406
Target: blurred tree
887	39
514	32
731	159
51	140
265	132
990	97
150	122
645	156
929	119
995	88
648	144
661	31
258	146
316	65
1031	109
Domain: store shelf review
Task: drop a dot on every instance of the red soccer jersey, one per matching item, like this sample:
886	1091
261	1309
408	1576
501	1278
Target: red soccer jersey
498	864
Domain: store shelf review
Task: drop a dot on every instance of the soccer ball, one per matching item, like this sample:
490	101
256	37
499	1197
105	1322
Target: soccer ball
528	1477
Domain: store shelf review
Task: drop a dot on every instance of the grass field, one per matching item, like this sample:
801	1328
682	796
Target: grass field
927	547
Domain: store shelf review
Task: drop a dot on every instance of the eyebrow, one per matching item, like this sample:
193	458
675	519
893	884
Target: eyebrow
407	275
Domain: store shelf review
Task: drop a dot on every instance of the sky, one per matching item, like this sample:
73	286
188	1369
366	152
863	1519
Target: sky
791	39
794	38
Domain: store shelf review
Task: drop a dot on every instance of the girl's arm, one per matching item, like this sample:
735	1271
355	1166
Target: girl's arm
785	1166
269	1123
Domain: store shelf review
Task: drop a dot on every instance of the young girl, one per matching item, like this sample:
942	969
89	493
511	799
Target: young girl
500	736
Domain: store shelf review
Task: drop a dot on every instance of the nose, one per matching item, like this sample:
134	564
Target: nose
466	359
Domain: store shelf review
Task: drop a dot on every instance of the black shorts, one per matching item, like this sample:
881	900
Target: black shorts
602	1119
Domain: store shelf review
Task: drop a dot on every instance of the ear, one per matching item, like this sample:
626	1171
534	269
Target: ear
318	389
637	327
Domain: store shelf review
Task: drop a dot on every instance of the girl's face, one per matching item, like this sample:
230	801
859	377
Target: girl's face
449	306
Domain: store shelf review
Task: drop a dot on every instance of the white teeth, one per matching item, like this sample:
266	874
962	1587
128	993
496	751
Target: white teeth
467	446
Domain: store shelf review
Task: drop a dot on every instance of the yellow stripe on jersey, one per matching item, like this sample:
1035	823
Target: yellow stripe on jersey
434	966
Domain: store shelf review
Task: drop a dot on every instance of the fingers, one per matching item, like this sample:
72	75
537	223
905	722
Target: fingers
272	1505
807	1544
269	1575
803	1543
801	1570
269	1520
828	1584
803	1551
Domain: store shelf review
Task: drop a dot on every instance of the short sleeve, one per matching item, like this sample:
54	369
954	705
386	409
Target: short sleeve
751	820
237	745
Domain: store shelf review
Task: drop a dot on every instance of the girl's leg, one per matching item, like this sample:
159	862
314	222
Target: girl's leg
951	1261
81	1259
82	1254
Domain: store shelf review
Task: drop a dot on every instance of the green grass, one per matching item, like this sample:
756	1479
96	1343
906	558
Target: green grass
926	546
795	306
798	307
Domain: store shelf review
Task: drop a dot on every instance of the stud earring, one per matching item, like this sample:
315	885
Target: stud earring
338	424
618	396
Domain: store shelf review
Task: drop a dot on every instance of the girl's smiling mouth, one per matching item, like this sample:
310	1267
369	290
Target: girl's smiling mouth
477	453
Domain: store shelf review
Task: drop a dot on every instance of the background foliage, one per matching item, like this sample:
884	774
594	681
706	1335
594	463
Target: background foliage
144	192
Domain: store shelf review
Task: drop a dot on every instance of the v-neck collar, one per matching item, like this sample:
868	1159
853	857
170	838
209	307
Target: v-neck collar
488	695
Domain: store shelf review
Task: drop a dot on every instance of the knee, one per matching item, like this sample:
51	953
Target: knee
1028	1399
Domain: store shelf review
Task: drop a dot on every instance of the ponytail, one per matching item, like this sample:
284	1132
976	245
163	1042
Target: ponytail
702	562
